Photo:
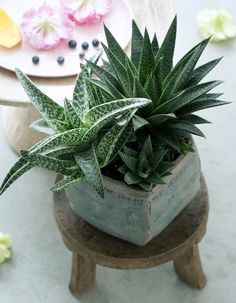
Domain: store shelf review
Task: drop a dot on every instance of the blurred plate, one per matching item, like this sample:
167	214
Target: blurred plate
118	21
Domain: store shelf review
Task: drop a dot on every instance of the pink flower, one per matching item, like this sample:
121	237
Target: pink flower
46	27
86	11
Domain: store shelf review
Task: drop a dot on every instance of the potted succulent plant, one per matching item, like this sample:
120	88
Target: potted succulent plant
123	144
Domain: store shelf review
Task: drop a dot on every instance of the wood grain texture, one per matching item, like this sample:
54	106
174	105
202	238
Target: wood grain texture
83	274
189	269
182	234
155	14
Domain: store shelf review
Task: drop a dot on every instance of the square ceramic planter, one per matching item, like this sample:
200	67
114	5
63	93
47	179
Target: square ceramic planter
135	215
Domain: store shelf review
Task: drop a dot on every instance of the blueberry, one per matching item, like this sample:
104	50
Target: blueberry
81	55
35	59
95	42
72	44
85	45
60	59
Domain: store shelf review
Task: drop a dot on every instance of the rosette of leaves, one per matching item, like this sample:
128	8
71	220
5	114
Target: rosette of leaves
144	168
84	135
176	91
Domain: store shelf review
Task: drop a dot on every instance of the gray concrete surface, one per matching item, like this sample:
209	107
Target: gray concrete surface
39	269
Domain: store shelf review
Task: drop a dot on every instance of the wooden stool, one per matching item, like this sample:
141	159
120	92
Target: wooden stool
178	242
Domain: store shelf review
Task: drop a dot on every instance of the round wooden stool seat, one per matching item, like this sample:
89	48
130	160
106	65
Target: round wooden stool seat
178	242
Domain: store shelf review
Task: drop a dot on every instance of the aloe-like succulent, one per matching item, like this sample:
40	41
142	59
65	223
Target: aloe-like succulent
175	91
144	168
142	99
80	142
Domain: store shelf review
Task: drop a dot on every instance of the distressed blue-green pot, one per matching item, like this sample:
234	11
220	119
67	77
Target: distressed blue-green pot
135	215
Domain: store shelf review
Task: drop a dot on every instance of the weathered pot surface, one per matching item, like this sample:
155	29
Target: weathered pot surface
134	215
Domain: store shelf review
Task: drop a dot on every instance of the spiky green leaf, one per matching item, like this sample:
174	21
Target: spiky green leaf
102	74
155	178
157	120
108	67
194	119
114	46
19	168
81	95
130	152
157	158
139	122
185	97
136	44
167	137
48	108
147	148
199	105
71	114
146	186
113	141
61	151
99	116
143	168
155	45
88	163
167	49
67	182
100	85
64	167
131	178
70	137
200	72
182	72
113	90
147	60
129	161
42	126
105	112
164	168
120	70
152	88
185	126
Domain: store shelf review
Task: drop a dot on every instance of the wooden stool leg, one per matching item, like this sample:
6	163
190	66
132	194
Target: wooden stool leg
83	274
189	269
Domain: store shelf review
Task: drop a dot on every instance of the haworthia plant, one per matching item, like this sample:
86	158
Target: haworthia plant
175	91
76	131
145	168
135	115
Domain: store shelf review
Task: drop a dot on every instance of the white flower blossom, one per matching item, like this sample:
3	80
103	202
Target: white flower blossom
216	23
5	244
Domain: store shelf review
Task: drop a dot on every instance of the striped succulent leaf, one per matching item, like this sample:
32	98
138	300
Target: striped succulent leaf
89	165
42	126
71	115
113	141
20	167
48	108
140	111
107	111
144	168
17	170
70	137
64	167
75	130
68	181
100	115
80	94
149	73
